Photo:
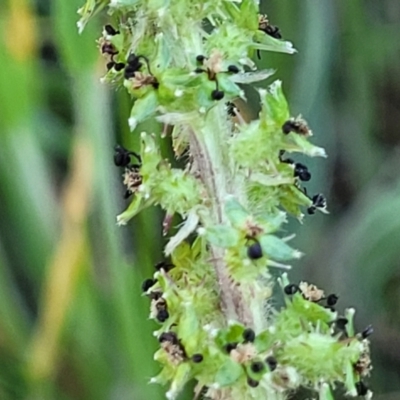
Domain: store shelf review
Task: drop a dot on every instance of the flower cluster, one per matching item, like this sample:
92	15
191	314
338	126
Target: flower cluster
184	63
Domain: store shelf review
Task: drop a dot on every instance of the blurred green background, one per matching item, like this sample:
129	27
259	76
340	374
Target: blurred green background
73	324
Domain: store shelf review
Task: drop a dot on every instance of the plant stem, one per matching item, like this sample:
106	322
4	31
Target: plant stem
210	156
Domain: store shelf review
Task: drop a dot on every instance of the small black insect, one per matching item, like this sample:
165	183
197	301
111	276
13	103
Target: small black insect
272	363
291	289
257	366
122	156
134	61
273	31
134	64
266	27
248	335
254	251
197	358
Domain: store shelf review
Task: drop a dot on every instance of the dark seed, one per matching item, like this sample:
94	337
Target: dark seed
200	58
119	66
248	335
164	265
331	300
305	176
162	315
252	382
233	69
230	346
110	65
254	251
168	337
197	358
257	366
217	94
147	284
291	289
311	210
199	70
301	171
110	30
287	127
271	362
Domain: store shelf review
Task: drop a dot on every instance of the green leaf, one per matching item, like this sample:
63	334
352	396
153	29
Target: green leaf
268	43
277	249
251	77
182	375
222	236
275	110
325	392
263	341
88	10
181	255
228	86
350	383
231	335
248	15
235	212
271	223
228	373
186	229
299	143
143	109
138	204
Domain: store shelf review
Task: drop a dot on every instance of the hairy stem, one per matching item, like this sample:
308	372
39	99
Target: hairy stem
210	157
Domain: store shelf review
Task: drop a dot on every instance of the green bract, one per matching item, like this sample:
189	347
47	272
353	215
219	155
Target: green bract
182	62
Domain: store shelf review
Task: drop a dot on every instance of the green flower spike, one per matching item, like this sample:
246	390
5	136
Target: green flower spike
183	63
